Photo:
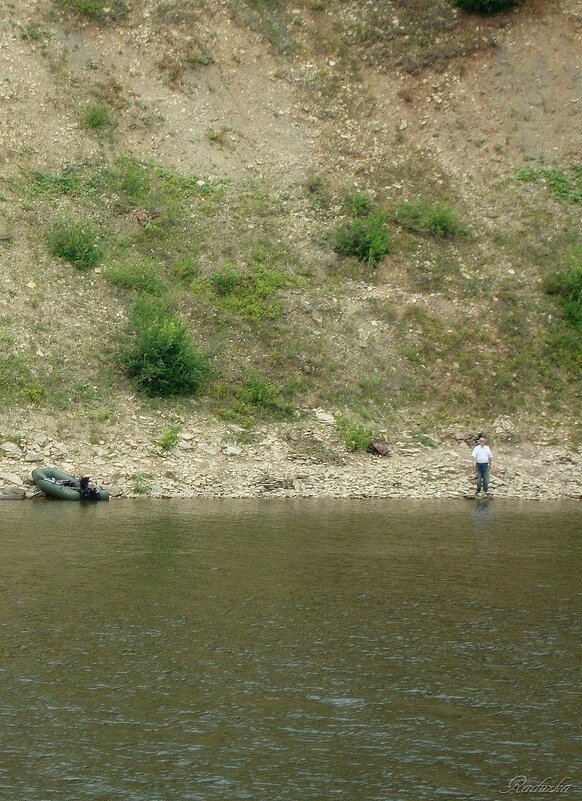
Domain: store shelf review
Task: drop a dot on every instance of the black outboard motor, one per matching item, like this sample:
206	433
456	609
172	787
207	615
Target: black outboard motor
86	491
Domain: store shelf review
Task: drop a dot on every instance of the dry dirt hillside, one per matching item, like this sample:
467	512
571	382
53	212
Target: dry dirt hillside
216	149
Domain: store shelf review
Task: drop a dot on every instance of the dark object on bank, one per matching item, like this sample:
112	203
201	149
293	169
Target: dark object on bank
472	439
379	447
56	484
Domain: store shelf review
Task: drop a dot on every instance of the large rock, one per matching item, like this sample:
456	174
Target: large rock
379	447
33	456
325	417
11	448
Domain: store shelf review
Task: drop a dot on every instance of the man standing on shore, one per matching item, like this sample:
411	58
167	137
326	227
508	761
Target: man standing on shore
482	458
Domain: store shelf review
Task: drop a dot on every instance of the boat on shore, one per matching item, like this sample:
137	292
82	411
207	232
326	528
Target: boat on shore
58	484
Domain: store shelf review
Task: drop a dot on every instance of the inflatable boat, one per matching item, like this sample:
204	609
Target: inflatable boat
57	484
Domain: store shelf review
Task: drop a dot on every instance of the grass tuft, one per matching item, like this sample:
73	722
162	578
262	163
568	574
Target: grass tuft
75	242
260	397
141	277
169	439
356	437
365	238
438	219
96	116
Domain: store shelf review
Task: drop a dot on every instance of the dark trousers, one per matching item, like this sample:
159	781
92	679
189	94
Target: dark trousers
482	476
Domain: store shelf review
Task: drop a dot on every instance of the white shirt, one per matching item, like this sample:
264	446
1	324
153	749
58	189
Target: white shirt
482	453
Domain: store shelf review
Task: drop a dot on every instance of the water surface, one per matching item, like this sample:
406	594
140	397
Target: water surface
293	650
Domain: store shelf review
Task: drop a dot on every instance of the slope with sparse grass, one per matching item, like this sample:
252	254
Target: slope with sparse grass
306	189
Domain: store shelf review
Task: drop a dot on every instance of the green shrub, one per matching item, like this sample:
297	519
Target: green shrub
75	242
259	392
365	238
163	360
486	6
254	297
355	436
437	219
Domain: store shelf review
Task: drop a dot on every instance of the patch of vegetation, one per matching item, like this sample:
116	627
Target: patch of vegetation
250	292
141	276
486	6
564	184
32	32
314	184
424	440
365	238
67	183
260	398
18	384
455	366
269	18
219	136
405	34
141	483
224	280
96	116
76	242
163	360
169	439
567	285
186	268
565	338
95	9
438	219
201	59
359	204
356	437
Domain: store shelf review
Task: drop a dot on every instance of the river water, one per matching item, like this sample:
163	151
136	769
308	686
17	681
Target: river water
288	650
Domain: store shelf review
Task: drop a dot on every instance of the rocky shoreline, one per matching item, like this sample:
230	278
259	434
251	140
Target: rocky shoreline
221	461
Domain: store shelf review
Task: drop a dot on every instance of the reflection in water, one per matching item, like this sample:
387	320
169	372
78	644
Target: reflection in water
289	650
482	517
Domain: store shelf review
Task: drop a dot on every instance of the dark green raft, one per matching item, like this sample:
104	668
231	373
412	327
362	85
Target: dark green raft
56	484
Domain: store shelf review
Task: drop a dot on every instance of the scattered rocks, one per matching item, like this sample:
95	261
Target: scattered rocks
502	425
287	462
